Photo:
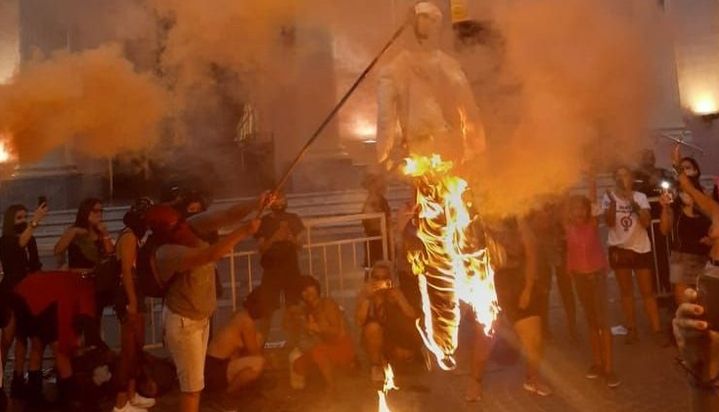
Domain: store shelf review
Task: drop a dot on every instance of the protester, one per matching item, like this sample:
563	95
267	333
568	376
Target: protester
547	224
19	257
130	309
405	240
649	180
279	244
628	217
56	309
689	228
513	251
698	345
376	202
649	177
86	245
234	356
331	346
699	349
587	264
186	265
193	202
387	321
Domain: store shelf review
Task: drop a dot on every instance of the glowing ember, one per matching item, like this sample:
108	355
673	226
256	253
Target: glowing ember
451	268
388	386
5	154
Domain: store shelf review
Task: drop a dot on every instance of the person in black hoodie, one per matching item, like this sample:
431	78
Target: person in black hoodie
19	257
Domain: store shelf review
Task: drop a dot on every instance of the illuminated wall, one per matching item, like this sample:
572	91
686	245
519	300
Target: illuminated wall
696	25
9	38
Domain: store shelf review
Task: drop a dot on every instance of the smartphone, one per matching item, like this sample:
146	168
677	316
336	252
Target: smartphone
708	291
41	200
383	284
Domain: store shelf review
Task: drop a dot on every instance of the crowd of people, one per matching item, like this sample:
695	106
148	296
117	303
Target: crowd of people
169	250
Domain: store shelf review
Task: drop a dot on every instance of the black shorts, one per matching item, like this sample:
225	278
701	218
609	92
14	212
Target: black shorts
509	284
42	326
216	374
628	259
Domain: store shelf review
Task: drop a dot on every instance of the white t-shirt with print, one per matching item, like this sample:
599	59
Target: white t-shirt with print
628	232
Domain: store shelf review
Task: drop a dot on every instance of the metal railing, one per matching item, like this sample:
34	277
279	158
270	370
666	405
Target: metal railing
332	256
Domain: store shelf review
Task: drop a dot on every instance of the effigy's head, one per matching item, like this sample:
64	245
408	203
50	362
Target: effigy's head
427	20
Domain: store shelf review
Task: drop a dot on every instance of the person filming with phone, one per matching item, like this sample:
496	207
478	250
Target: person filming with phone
696	325
387	321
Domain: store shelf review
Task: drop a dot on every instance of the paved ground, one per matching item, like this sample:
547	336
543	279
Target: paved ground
651	382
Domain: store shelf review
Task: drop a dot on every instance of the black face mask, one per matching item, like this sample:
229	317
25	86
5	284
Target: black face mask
20	227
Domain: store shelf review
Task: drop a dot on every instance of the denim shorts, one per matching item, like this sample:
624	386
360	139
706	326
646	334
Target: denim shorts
685	267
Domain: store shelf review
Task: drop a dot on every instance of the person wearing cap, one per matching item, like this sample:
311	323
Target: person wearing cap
425	92
186	264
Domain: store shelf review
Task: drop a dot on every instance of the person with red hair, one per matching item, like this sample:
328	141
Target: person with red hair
185	264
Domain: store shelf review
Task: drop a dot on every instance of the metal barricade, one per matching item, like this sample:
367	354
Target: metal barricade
329	253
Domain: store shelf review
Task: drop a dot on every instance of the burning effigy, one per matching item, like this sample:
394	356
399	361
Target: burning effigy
428	120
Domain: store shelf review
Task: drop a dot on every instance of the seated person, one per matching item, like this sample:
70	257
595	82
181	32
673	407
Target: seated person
234	355
56	309
330	345
387	321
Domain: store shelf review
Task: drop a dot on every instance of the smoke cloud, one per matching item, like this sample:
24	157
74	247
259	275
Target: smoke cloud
93	99
561	83
566	84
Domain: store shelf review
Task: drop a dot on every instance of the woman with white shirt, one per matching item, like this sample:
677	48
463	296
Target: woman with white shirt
628	217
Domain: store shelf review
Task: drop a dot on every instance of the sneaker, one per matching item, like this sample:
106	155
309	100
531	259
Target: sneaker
594	372
538	388
142	402
377	374
632	337
128	408
612	380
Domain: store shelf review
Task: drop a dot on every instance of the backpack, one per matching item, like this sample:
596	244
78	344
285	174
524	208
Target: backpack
148	278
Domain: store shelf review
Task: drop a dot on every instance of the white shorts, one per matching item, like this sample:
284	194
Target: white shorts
186	340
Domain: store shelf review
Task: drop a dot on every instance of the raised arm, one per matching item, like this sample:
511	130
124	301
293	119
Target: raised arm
705	203
37	217
666	220
215	220
63	244
199	257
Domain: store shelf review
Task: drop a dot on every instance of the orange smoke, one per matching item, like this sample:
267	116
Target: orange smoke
93	99
564	84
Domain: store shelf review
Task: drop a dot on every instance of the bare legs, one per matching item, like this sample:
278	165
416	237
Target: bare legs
646	288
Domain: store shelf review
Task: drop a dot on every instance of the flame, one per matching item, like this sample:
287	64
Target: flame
6	154
451	268
388	386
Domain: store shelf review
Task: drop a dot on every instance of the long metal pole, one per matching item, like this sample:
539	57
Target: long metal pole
338	106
